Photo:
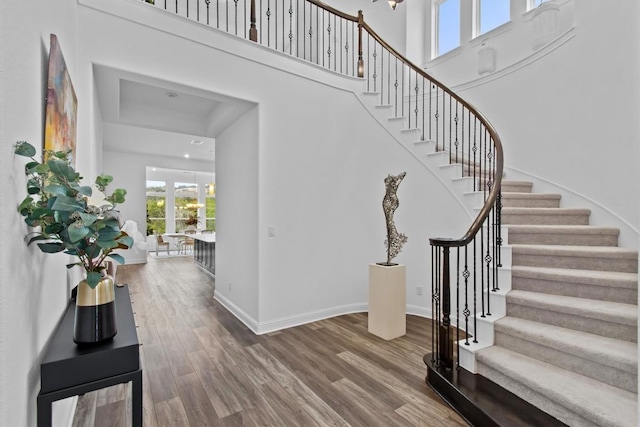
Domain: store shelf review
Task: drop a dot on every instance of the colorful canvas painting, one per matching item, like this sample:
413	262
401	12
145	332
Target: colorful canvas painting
60	121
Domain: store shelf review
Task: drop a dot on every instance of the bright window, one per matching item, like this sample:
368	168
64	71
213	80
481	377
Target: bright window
186	194
156	207
493	13
448	26
535	3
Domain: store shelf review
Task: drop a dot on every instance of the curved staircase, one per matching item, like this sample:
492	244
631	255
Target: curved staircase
568	342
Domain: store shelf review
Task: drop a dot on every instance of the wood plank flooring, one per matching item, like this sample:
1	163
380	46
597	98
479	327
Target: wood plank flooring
203	367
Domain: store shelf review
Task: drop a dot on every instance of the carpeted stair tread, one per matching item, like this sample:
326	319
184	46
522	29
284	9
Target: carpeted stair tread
547	211
614	312
590	277
545	216
598	258
509	186
599	403
605	350
585	235
541	200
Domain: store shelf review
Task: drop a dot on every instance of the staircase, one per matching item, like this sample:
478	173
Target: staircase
568	342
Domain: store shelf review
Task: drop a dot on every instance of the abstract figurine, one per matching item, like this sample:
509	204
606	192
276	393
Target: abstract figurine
390	203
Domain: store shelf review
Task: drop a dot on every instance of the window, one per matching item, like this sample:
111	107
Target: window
156	209
447	26
186	194
492	14
535	3
210	205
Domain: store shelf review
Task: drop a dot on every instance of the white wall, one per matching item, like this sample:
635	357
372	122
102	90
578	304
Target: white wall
34	287
322	161
569	116
237	264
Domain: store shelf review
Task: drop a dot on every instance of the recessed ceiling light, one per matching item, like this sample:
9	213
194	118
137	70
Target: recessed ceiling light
171	94
186	156
153	169
196	142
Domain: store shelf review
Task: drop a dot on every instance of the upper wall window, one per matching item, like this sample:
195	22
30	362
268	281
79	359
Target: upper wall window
493	13
532	4
447	26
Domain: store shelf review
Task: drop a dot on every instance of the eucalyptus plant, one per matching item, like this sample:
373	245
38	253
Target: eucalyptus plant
69	217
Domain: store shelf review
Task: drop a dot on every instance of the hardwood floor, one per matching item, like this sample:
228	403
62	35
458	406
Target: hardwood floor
203	367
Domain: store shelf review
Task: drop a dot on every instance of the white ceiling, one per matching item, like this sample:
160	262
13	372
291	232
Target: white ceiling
162	117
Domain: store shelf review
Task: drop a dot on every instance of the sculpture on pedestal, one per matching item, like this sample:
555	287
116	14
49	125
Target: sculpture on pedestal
390	203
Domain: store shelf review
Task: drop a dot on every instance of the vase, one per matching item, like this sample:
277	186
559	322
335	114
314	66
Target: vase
95	317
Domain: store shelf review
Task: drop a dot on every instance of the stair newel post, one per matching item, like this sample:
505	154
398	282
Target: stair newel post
446	342
253	31
360	60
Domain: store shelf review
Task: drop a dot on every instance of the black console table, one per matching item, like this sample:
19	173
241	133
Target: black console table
69	370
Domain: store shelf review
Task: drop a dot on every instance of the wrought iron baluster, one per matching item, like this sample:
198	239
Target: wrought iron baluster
226	9
176	6
290	27
319	30
402	91
409	96
434	280
235	2
187	8
417	110
456	142
275	24
217	13
457	303
382	77
198	10
436	116
422	137
375	66
466	311
328	41
253	31
207	3
335	41
396	89
475	293
446	348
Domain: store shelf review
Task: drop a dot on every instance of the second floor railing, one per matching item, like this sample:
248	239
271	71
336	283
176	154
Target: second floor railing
464	270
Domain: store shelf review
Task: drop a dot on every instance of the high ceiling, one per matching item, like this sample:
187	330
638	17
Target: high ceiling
162	117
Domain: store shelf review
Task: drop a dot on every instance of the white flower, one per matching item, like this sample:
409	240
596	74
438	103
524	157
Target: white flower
98	199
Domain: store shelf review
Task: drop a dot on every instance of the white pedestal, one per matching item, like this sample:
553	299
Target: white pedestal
387	301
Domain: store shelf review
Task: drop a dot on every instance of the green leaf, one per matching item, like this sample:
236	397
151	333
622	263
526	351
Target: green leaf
58	190
112	223
88	219
66	204
77	233
23	148
126	240
108	234
26	204
107	244
103	180
51	248
42	168
31	167
85	190
93	278
54	228
62	169
118	195
117	257
40	212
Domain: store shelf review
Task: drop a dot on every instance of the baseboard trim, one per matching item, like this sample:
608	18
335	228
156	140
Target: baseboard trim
312	316
249	321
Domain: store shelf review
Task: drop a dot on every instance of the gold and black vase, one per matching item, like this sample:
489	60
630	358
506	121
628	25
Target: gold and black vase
95	318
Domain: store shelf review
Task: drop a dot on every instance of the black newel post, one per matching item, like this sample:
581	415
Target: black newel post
446	343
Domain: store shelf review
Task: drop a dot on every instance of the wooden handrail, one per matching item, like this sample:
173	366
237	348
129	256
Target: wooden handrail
495	188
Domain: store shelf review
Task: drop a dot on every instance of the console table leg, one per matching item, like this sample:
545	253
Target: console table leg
136	397
44	412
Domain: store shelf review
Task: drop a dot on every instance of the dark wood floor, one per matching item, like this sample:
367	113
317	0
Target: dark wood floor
203	367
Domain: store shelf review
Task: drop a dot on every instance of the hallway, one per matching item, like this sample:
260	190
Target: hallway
203	367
